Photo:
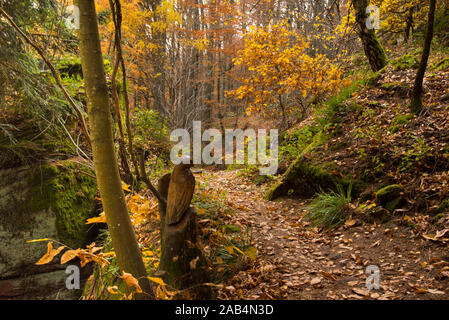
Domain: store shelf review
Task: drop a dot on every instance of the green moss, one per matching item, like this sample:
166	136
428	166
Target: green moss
68	194
404	62
399	121
388	194
441	65
305	179
443	207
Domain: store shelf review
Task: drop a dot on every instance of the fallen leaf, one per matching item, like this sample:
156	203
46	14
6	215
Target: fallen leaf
69	255
157	280
361	291
131	281
50	254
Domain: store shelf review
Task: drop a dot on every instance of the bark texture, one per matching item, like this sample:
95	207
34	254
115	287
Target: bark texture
416	101
124	241
371	45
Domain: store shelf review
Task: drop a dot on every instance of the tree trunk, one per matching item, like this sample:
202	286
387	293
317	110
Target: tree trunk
371	45
409	24
128	254
416	101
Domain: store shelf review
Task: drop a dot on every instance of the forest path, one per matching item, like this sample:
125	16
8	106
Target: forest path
296	261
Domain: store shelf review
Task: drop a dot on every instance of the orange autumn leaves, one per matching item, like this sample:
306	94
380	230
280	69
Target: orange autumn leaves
90	254
282	72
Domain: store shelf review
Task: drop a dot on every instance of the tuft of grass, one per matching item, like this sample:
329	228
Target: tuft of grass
330	209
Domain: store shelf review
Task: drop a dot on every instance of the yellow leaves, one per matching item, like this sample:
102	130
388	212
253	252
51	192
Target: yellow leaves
100	219
141	209
69	255
38	240
159	281
125	186
50	254
148	253
251	253
161	290
131	282
279	64
163	293
113	290
351	222
85	255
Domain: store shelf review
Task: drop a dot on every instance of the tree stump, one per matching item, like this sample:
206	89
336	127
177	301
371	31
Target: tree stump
181	260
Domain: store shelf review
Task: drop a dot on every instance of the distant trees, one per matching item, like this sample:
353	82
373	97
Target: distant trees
402	16
284	77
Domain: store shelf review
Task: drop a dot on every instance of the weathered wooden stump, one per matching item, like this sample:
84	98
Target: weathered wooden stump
181	260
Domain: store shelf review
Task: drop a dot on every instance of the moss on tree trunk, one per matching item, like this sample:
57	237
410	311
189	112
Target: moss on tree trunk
371	45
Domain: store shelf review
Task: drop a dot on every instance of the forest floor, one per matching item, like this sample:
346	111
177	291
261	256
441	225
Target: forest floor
297	261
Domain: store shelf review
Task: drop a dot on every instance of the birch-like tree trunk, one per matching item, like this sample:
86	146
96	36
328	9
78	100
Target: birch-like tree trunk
128	254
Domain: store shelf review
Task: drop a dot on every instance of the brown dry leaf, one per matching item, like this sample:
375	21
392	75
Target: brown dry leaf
350	222
361	291
51	253
329	276
434	291
193	263
131	281
441	233
375	244
315	281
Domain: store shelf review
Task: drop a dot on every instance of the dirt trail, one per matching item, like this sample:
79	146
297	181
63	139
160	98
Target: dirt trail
295	261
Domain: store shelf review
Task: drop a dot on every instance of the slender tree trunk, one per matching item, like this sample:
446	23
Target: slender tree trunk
371	45
409	24
128	254
416	101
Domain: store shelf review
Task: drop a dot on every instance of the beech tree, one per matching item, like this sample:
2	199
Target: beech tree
127	251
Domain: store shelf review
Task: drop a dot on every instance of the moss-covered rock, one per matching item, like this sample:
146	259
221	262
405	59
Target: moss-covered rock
390	197
69	194
304	179
42	201
388	193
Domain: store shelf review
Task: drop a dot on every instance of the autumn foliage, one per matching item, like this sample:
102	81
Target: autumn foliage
284	77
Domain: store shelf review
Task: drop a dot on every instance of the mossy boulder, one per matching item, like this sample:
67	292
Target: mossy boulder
69	193
305	179
42	201
390	197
